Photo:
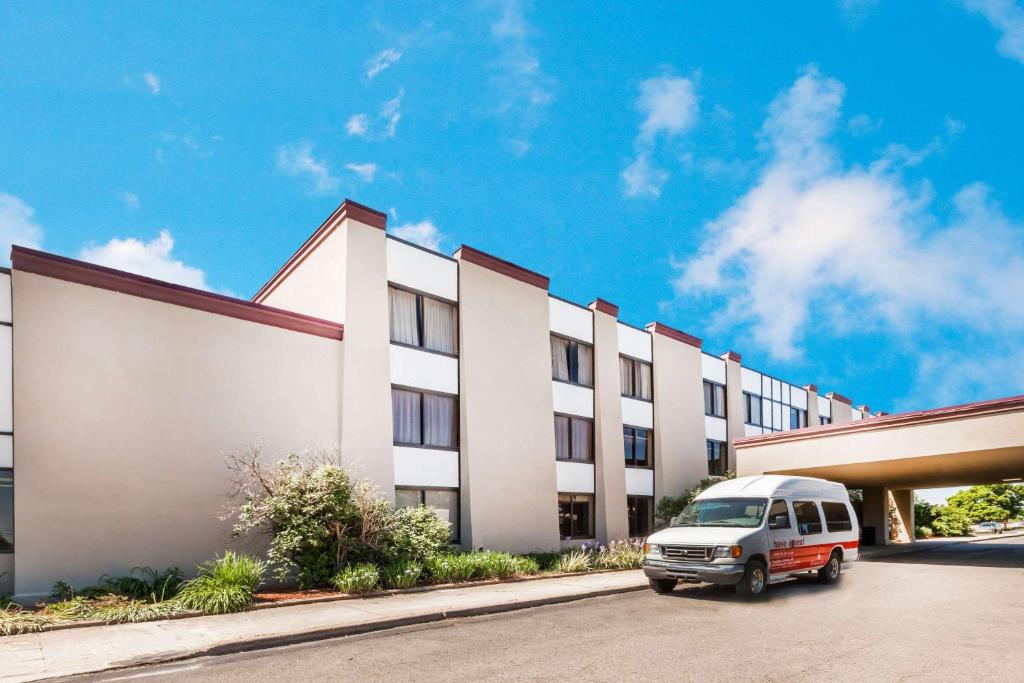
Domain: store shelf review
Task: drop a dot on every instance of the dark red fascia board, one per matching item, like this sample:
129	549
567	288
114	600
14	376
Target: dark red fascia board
813	388
967	410
348	209
608	307
864	409
672	333
733	356
91	275
839	397
485	260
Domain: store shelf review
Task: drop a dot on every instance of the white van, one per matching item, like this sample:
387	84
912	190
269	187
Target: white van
752	531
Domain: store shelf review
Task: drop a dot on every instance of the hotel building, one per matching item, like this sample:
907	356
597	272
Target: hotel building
460	382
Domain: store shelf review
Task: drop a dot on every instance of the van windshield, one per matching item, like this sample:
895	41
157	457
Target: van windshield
741	512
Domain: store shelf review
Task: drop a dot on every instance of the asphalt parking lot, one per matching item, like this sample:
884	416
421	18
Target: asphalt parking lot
942	614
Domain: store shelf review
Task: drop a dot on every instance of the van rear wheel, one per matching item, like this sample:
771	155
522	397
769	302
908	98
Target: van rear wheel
663	585
832	570
754	582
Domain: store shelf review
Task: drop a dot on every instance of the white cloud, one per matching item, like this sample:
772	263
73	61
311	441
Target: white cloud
1007	17
670	108
357	125
152	82
381	61
860	248
862	124
424	233
391	113
297	160
152	259
366	172
17	226
130	199
523	86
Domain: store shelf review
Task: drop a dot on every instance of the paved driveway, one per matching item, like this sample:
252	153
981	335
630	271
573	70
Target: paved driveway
943	614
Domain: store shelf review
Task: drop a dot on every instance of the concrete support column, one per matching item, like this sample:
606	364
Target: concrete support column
813	416
875	512
902	501
611	520
734	416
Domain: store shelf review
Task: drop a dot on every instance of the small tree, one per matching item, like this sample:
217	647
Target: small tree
950	521
670	506
991	503
924	512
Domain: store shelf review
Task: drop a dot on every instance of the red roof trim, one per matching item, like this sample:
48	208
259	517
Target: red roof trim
839	397
471	255
672	333
608	307
967	410
79	272
348	209
732	355
813	388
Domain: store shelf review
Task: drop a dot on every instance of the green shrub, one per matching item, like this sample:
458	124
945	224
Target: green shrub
223	585
923	532
620	555
150	585
575	561
489	564
358	578
526	565
548	562
670	506
401	574
451	568
950	521
419	534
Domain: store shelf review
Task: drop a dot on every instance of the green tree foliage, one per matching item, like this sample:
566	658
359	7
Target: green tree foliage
990	503
924	512
950	521
670	506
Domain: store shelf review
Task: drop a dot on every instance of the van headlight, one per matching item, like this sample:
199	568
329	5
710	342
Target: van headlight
733	551
652	549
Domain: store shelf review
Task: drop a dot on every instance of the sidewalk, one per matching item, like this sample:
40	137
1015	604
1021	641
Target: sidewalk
68	652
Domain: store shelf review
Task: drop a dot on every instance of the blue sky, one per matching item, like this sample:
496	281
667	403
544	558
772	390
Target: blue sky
831	189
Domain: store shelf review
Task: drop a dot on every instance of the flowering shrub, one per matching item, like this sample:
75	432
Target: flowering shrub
401	574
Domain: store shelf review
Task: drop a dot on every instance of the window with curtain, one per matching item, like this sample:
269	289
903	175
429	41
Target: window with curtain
572	361
575	515
423	322
442	502
717	456
638	443
714	399
752	409
574	438
6	510
635	376
424	419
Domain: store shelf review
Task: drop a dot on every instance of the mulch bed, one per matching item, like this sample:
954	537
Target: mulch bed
287	594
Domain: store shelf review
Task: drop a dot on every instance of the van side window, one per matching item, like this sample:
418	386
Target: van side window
778	515
808	519
837	517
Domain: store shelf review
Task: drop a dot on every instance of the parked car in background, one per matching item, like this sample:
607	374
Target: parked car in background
989	528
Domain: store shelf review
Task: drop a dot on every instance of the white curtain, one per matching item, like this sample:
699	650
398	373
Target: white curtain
439	326
582	436
719	400
626	375
439	421
405	411
561	437
586	364
559	358
404	328
643	381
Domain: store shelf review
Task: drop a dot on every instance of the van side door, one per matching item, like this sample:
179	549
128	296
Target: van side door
782	538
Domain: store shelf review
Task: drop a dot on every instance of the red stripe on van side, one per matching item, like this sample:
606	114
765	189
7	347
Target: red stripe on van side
805	556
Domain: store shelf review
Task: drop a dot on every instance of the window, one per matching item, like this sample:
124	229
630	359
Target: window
424	419
714	399
837	517
443	502
717	456
778	515
572	361
752	409
423	322
575	515
638	445
641	515
797	418
636	378
574	438
6	510
825	420
808	519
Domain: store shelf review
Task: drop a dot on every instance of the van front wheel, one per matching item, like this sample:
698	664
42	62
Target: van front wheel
754	581
831	571
663	585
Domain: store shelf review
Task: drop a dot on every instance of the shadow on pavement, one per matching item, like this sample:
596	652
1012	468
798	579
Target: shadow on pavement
986	553
792	588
